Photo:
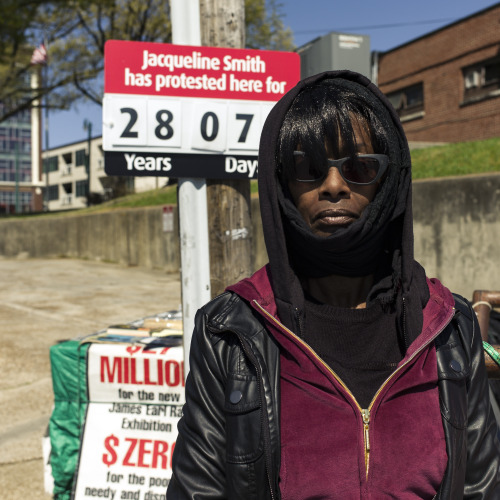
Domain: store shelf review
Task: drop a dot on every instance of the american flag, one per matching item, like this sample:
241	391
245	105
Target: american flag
39	55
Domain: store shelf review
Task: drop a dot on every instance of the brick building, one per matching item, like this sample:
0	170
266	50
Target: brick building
446	84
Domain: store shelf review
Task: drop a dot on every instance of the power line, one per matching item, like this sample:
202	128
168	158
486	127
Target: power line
374	27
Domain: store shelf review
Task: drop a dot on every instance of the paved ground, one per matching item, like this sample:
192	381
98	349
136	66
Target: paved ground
41	302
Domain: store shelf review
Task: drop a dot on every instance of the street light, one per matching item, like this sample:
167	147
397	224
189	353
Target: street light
18	133
87	125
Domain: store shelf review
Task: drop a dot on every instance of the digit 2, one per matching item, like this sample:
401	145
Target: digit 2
133	118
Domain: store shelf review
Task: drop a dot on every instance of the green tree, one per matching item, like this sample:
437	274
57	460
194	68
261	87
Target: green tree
75	32
264	26
76	47
16	23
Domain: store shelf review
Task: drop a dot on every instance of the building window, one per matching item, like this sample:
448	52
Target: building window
51	163
8	201
481	80
54	192
408	102
68	158
81	188
81	158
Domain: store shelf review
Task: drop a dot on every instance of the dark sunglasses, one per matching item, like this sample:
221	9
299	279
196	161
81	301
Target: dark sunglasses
360	169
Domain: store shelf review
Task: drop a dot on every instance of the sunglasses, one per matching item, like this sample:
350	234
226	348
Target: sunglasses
360	169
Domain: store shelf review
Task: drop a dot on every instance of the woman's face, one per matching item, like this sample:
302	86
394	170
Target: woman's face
331	203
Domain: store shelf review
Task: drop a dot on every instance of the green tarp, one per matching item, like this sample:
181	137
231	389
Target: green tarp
69	380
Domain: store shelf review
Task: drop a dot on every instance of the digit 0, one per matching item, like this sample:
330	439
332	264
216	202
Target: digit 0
164	130
204	126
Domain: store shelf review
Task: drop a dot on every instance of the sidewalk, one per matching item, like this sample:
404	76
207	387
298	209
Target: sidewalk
43	301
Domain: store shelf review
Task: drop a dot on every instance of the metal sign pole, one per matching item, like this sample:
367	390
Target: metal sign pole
190	112
192	199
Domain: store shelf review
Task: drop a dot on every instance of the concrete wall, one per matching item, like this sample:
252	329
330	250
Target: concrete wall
457	234
457	231
132	237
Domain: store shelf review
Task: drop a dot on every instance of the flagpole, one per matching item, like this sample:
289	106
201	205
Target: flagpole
39	58
46	128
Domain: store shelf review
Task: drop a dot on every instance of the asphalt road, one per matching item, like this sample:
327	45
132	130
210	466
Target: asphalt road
42	302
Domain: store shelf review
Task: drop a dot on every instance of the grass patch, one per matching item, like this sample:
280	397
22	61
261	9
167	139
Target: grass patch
461	158
163	196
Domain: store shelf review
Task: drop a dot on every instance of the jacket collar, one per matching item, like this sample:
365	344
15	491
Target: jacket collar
437	312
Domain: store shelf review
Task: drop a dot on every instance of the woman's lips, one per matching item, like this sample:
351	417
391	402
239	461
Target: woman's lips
335	217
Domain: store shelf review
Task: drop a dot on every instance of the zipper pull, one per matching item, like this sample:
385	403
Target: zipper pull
366	424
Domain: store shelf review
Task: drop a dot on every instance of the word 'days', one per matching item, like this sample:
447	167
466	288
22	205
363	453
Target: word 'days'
241	166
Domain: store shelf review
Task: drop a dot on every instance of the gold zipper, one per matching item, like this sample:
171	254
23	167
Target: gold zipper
366	426
366	436
365	413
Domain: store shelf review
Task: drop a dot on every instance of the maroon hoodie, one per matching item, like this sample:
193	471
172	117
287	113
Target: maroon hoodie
330	446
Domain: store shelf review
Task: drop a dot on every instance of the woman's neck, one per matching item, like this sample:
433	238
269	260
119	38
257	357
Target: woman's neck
340	291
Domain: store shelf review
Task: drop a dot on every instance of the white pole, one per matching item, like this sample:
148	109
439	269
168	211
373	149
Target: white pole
185	18
35	130
192	199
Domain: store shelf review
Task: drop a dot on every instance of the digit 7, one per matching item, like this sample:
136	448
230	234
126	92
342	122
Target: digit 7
248	120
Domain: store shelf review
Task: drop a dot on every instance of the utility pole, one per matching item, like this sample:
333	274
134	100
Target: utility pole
222	24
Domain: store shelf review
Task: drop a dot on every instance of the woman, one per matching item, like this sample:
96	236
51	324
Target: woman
338	371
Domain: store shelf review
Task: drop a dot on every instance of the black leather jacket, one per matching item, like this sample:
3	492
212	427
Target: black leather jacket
233	451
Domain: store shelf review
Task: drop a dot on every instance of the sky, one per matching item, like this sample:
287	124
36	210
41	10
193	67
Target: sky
388	23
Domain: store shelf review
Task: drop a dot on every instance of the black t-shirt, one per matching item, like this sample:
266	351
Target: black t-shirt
360	345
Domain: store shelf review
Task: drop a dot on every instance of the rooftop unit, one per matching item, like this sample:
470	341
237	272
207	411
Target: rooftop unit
336	51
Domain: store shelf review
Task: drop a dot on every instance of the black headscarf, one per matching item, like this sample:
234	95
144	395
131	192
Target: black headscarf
379	243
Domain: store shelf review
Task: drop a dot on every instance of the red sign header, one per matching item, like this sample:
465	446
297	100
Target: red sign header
159	69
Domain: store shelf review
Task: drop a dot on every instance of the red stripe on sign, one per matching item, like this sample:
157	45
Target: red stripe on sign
158	69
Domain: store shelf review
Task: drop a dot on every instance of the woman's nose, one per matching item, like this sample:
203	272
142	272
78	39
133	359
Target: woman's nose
334	184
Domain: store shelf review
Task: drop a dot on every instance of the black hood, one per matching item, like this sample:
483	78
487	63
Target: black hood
379	243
